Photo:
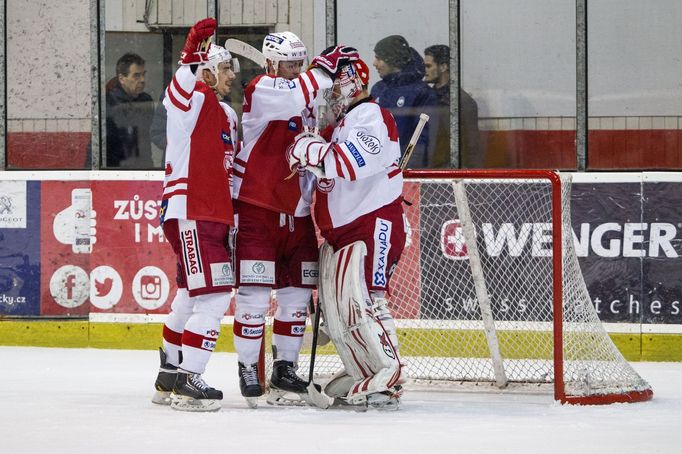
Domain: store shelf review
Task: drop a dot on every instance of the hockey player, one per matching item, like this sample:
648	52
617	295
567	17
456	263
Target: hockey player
196	215
359	213
276	246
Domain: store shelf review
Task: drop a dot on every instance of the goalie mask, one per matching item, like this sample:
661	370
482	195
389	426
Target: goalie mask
284	46
351	79
216	56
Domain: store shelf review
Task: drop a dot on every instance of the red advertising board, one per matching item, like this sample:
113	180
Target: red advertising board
127	268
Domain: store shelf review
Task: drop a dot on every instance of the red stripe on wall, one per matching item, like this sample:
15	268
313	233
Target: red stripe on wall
47	150
607	149
635	149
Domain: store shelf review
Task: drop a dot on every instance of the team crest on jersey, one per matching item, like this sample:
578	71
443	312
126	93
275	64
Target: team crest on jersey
400	102
325	185
169	168
293	126
227	139
285	84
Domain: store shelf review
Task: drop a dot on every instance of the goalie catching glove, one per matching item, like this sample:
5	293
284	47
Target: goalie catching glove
198	42
308	152
333	58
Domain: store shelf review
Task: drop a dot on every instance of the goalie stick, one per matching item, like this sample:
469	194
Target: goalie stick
423	118
317	398
245	50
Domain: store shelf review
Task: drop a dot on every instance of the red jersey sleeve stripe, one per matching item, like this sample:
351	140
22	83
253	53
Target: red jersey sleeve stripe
180	90
339	169
346	161
316	86
175	102
177	181
391	127
174	193
314	83
304	88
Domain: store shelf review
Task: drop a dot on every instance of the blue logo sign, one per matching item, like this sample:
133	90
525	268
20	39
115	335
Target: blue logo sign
356	154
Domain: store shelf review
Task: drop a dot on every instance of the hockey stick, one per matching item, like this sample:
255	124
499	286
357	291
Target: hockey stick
245	50
423	118
316	396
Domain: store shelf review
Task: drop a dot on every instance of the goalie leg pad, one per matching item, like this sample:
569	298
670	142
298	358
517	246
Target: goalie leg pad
360	339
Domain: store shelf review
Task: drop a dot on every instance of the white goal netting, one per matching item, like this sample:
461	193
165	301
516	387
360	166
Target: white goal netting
483	310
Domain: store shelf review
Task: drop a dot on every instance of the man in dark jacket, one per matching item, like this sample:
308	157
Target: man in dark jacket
405	94
129	116
437	64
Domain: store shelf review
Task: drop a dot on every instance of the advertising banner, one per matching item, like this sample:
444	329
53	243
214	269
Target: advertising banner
627	236
514	247
19	248
103	249
661	295
69	248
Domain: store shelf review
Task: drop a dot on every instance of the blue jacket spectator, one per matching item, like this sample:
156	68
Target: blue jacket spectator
405	94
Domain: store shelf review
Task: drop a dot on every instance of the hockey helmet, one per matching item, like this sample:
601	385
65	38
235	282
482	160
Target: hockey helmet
284	46
350	80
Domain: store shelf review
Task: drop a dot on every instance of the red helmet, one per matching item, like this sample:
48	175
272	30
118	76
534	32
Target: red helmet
363	71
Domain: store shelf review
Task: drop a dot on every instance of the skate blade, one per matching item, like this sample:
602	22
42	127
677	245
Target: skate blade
342	404
186	403
162	398
252	402
281	398
384	402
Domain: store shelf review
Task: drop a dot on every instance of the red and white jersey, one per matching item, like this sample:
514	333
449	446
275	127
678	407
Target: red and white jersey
270	121
202	142
361	166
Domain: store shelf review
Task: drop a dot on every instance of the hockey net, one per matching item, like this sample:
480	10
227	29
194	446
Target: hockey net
508	308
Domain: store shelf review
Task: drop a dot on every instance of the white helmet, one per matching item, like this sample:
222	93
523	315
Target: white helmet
283	46
217	55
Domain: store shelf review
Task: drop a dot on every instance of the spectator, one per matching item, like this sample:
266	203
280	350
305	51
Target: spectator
129	115
404	93
437	63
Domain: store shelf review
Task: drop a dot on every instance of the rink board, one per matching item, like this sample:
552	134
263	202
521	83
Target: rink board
128	268
635	346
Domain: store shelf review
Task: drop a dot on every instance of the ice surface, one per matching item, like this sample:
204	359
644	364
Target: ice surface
56	401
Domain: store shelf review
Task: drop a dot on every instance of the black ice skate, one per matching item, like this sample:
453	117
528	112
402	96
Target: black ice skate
191	393
286	388
249	384
164	381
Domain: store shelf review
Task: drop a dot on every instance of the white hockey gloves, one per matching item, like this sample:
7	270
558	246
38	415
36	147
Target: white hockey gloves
308	152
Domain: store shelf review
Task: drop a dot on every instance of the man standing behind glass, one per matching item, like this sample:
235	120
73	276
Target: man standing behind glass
437	64
402	91
129	115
